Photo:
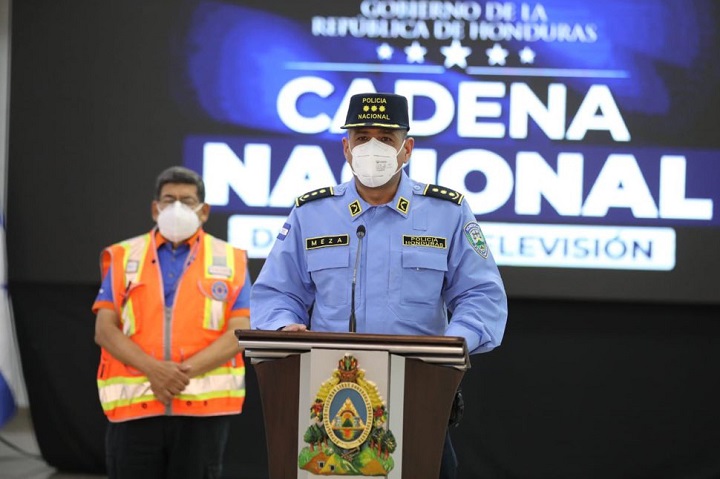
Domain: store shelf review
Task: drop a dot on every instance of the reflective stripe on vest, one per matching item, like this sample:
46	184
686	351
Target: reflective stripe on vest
219	263
135	251
221	382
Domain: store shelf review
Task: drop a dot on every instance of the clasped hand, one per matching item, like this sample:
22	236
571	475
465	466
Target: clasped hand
168	379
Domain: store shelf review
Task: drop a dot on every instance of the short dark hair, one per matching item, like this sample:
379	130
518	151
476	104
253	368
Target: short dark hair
182	175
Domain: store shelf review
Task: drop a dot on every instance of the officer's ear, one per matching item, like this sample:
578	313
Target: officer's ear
408	148
346	149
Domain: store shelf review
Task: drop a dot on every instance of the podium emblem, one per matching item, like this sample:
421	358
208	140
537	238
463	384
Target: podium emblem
348	432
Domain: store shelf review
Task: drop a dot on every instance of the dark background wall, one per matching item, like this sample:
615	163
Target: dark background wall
591	389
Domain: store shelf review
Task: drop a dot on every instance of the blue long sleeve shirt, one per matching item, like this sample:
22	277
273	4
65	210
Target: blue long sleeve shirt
423	254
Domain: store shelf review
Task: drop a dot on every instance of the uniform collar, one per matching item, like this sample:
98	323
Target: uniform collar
160	239
400	202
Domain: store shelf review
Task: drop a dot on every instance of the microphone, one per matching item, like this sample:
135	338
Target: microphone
360	234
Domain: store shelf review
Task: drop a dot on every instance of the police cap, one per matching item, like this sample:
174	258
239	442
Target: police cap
378	110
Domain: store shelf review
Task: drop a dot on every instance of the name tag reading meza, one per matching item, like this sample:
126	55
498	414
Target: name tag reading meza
326	241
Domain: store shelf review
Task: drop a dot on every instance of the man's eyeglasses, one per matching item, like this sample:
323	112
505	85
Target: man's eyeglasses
188	201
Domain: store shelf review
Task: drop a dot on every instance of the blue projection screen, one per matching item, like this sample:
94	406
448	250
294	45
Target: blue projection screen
581	133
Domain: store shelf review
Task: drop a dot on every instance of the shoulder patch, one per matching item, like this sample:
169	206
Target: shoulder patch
443	193
314	195
476	238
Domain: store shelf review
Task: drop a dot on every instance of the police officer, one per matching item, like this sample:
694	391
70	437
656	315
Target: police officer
393	254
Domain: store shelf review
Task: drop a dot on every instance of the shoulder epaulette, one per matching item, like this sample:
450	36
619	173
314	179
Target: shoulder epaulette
314	195
443	193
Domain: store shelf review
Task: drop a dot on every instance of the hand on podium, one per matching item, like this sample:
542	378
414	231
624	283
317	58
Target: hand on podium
294	327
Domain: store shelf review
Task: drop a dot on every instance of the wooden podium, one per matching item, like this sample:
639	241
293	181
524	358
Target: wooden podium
417	375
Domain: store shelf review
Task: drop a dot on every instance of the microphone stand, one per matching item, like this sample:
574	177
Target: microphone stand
353	321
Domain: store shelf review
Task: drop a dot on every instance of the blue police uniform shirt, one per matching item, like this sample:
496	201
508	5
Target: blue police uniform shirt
172	264
420	256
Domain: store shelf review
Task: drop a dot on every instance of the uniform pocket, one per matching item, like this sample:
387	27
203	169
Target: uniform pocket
423	273
102	372
330	270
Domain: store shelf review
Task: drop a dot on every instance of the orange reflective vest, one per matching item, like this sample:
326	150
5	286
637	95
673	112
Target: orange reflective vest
213	277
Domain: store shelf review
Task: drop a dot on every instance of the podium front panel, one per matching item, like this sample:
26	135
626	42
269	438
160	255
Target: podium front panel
323	395
343	415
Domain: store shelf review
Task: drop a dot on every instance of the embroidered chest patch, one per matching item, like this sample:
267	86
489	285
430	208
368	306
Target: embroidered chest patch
327	241
428	241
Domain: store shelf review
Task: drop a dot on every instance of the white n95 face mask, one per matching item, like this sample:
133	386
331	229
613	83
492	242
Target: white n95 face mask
374	162
178	222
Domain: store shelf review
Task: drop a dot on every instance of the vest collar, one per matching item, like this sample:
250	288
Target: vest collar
160	239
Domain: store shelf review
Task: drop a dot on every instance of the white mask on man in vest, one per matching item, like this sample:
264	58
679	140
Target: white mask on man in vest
375	162
177	222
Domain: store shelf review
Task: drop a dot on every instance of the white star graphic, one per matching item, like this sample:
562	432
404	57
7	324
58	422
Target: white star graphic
384	52
496	55
456	54
415	53
527	55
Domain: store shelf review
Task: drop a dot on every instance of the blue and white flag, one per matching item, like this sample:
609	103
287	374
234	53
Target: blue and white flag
10	375
12	386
